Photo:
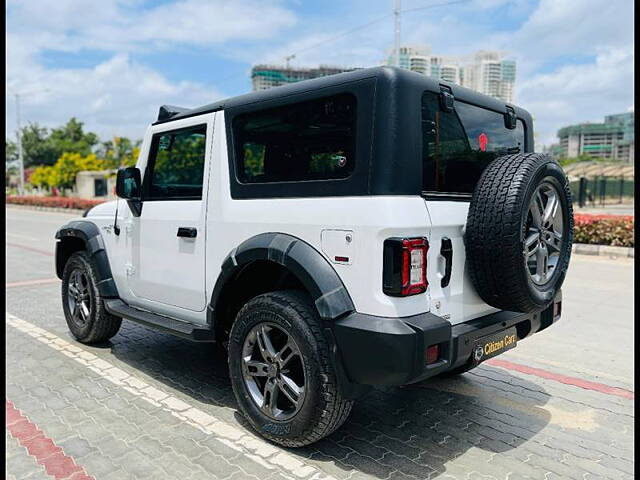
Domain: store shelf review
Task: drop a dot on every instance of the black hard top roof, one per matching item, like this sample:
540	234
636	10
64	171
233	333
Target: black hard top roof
388	78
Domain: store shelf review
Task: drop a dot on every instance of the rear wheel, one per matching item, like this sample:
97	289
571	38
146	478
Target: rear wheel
84	310
280	370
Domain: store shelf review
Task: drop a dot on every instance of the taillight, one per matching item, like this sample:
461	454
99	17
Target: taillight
404	266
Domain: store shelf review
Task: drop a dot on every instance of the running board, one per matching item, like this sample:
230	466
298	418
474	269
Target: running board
186	330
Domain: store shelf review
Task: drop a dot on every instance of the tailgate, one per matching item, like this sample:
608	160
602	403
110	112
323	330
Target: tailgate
457	301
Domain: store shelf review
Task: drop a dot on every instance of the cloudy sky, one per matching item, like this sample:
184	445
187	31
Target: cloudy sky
112	63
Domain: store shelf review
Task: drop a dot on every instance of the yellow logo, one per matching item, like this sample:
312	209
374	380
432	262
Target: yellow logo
498	345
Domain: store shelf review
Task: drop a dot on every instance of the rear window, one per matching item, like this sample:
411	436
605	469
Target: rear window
457	146
312	140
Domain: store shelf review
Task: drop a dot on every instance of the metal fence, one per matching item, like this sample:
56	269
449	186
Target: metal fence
602	190
599	183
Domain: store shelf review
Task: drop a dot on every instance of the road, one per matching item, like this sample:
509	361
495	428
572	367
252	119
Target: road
150	405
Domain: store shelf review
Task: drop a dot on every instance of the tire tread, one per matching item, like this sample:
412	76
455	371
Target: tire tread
332	409
492	237
105	325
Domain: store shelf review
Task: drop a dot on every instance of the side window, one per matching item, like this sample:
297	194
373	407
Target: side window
176	164
312	140
457	146
100	187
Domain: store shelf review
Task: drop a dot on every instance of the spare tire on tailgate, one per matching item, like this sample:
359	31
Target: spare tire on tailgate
519	232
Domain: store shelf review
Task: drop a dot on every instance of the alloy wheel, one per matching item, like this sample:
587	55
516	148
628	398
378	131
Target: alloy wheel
544	230
79	297
273	371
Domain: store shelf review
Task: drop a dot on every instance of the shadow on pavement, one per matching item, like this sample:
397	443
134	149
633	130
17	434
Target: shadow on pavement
415	430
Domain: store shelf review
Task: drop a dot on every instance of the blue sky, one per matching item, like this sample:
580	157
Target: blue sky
112	63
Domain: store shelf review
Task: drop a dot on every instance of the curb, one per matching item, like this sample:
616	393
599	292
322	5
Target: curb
47	209
603	250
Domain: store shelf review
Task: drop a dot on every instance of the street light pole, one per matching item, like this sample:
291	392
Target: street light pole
19	134
19	137
396	39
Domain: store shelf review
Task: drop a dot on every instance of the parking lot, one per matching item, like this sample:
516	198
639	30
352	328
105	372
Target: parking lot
150	405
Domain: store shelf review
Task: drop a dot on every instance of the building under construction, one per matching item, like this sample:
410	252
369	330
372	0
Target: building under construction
611	140
268	76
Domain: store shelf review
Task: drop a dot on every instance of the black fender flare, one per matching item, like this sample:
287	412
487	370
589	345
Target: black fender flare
89	233
316	274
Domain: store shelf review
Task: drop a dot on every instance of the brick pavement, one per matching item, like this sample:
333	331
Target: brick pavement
491	423
150	405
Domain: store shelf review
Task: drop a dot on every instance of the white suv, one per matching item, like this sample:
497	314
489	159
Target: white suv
369	228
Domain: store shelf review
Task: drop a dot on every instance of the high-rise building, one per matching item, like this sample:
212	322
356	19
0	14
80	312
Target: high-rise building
268	76
419	59
611	140
486	72
489	73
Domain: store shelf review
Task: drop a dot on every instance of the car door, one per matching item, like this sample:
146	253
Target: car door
166	273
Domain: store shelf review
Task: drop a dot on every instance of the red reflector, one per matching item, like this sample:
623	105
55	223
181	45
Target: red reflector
482	141
341	259
433	352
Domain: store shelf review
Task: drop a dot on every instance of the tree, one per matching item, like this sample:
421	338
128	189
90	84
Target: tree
120	152
41	147
36	147
43	176
71	138
69	164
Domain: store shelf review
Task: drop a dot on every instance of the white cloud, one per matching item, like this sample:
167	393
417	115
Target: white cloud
116	97
567	27
575	59
578	93
119	96
114	25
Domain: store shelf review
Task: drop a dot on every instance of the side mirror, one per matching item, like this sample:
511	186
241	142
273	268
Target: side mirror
129	184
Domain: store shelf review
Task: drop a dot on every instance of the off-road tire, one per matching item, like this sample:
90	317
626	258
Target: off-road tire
323	409
101	325
495	232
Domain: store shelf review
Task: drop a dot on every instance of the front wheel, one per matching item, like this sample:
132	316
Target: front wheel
280	370
84	310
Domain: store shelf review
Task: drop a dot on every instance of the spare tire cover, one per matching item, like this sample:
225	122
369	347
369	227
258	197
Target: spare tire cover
519	232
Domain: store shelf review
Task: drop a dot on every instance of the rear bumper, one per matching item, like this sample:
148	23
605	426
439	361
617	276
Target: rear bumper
391	351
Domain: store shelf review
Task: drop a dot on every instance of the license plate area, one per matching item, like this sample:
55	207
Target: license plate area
494	344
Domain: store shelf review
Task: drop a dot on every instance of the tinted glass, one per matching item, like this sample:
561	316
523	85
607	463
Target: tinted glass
305	141
457	146
177	164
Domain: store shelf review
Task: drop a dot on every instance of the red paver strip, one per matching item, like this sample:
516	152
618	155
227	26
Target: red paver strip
27	283
575	381
41	447
33	249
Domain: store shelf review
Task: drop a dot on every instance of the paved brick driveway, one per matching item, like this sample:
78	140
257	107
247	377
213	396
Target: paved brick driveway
149	405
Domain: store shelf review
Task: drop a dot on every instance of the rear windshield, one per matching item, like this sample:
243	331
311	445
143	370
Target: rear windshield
457	146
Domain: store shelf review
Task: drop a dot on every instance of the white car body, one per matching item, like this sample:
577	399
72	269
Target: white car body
156	271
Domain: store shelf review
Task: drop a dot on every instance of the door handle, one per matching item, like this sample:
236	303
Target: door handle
187	232
446	250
